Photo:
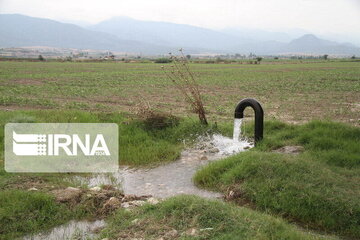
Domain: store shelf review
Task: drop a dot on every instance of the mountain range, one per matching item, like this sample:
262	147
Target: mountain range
123	34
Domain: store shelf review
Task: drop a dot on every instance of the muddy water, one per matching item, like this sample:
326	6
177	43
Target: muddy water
79	230
173	178
161	182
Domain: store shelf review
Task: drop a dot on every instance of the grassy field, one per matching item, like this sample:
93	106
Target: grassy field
293	91
317	189
195	218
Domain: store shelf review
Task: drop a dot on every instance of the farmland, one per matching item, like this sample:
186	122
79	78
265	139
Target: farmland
293	91
311	195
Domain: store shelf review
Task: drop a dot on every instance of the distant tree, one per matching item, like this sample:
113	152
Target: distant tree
276	58
325	56
259	59
41	58
353	57
163	60
188	56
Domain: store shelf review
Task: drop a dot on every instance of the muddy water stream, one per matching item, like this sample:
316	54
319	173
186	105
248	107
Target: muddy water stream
172	178
163	181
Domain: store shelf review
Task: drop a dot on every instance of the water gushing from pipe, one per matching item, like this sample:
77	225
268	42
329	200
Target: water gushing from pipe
259	116
237	129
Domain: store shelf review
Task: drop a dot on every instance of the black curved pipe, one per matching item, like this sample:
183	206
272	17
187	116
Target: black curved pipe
259	115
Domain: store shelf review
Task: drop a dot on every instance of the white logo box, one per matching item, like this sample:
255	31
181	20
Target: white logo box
61	147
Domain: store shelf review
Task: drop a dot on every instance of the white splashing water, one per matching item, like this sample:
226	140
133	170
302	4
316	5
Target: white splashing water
237	129
228	146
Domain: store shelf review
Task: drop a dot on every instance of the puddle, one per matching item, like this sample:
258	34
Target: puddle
79	230
172	178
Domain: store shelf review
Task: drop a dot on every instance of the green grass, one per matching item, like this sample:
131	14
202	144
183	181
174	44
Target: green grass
333	143
26	212
211	219
318	188
139	145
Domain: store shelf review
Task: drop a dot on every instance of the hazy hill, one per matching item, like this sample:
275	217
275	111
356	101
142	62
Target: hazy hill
311	44
167	34
134	36
226	41
19	30
259	35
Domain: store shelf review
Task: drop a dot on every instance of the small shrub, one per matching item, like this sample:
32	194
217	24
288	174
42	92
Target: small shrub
155	119
163	60
41	58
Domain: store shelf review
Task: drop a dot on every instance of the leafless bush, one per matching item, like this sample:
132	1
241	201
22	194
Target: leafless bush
153	118
179	73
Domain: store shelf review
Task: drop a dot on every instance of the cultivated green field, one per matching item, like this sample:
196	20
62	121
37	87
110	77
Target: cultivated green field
312	195
293	91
